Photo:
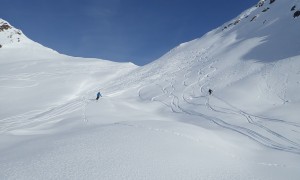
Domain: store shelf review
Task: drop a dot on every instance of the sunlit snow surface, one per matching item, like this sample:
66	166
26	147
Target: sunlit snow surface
158	121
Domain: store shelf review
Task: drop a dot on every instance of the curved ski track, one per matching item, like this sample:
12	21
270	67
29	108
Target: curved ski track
195	100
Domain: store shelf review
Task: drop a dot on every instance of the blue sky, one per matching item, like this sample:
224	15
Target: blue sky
139	31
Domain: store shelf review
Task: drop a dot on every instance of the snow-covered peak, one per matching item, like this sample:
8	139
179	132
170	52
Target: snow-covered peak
10	36
15	44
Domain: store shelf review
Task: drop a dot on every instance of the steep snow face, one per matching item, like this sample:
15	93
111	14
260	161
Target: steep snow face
251	63
274	23
255	41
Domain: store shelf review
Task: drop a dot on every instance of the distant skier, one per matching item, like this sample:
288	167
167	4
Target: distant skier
98	95
210	91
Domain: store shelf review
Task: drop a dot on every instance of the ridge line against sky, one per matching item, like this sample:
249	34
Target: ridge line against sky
118	30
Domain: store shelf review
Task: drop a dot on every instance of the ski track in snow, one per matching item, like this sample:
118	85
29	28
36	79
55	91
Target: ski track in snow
36	118
197	140
194	94
23	80
179	80
40	117
255	127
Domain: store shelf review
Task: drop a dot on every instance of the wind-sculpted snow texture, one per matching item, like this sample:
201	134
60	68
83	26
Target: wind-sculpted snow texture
158	121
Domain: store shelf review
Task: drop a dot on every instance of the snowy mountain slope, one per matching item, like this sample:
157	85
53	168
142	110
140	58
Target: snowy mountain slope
158	121
35	79
253	68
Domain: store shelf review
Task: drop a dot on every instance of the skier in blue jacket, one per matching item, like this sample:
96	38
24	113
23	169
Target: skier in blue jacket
98	95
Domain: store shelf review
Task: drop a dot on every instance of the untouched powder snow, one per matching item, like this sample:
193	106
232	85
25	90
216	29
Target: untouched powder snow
158	121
